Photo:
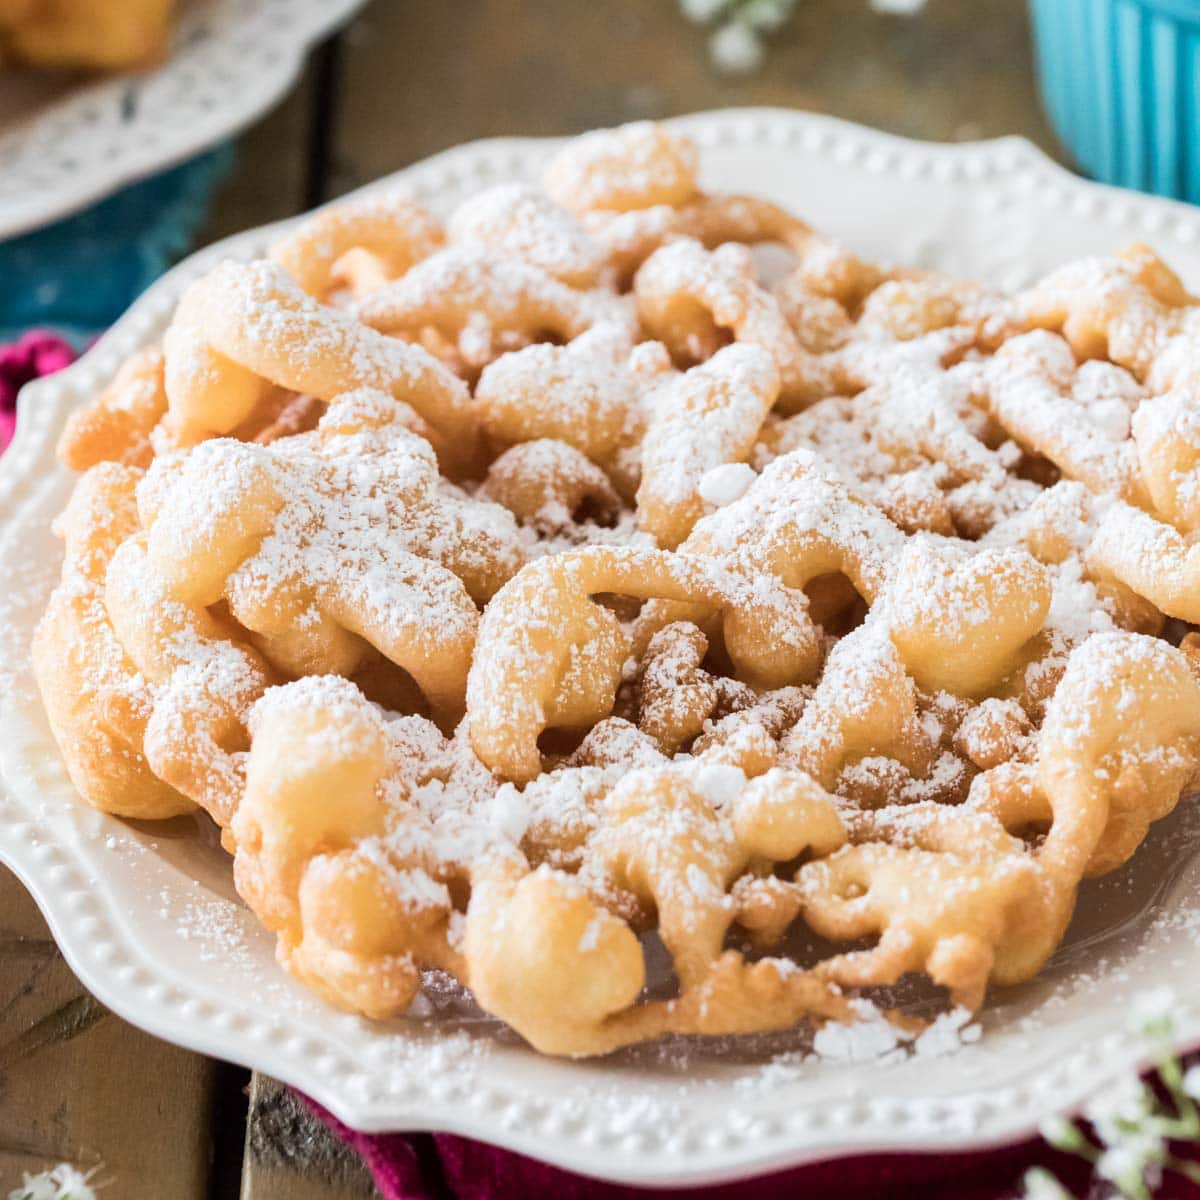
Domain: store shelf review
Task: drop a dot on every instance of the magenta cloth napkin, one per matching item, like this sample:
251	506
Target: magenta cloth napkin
444	1167
37	353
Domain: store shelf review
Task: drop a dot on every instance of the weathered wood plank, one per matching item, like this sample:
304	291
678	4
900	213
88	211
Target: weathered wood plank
271	171
290	1155
421	77
77	1084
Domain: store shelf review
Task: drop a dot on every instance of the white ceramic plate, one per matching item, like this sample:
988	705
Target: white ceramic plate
148	918
65	144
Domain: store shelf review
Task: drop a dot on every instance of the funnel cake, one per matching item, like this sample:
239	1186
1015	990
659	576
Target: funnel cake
97	35
514	587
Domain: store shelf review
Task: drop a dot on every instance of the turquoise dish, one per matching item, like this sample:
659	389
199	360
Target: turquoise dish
1120	80
79	274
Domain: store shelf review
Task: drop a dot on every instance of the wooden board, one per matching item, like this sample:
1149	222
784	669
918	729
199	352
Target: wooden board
271	170
79	1085
415	78
421	77
290	1155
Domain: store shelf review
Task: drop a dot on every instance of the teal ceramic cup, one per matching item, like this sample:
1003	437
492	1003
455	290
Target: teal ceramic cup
1121	82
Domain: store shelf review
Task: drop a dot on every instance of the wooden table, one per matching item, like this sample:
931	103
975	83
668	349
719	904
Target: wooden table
404	80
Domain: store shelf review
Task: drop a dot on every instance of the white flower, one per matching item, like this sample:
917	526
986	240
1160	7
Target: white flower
1119	1109
63	1182
1041	1185
1061	1133
72	1184
766	15
1153	1011
34	1187
702	11
898	8
1126	1164
736	49
1191	1082
1119	1165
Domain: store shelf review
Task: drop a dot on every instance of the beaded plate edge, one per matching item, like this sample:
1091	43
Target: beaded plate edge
623	1125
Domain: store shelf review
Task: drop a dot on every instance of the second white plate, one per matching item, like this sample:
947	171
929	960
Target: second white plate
66	144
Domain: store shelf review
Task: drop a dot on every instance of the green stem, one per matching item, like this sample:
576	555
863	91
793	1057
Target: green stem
1189	1170
1185	1125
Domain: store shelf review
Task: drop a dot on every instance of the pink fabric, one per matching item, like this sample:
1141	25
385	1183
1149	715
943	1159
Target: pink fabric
445	1167
37	353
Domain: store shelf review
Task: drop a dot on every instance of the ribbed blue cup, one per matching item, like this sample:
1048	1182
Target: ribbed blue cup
1121	82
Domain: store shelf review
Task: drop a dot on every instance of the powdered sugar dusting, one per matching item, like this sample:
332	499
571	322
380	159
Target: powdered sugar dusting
917	545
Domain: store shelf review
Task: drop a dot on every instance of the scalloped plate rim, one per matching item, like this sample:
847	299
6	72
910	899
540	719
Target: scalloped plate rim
662	1167
20	216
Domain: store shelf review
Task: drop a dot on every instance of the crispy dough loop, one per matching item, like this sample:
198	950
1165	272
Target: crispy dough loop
1151	558
1132	309
933	913
561	663
246	324
551	487
354	919
960	897
522	221
794	524
676	696
363	244
589	393
117	425
205	681
97	702
1118	746
909	305
630	237
1085	434
521	925
636	166
233	521
480	302
692	299
706	418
